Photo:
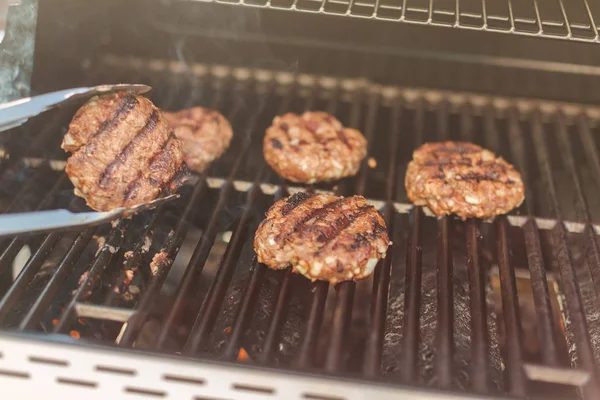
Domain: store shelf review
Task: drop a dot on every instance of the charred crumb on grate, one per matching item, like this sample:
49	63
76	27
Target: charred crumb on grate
159	261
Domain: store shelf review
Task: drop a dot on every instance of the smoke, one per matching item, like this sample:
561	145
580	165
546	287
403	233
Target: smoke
218	34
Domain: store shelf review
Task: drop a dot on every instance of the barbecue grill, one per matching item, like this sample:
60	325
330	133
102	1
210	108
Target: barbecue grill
172	303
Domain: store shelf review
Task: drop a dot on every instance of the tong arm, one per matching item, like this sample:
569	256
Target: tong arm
17	112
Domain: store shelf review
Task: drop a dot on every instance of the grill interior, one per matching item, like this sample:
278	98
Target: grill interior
429	314
503	308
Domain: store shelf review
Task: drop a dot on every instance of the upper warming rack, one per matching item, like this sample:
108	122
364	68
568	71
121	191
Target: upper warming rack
571	20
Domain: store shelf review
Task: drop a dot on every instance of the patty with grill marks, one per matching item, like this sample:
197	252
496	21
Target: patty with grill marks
313	147
124	152
322	237
463	179
205	135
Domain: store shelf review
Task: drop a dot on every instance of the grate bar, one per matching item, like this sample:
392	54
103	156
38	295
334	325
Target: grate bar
252	289
86	286
381	282
121	283
201	251
278	318
535	262
216	293
170	247
412	295
27	273
84	310
477	298
313	325
242	318
342	316
445	309
510	308
412	300
66	266
194	269
320	289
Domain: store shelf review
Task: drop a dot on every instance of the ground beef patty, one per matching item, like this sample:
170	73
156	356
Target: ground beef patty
313	147
462	179
124	152
322	236
204	134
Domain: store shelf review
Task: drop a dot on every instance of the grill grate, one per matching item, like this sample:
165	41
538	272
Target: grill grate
574	21
427	316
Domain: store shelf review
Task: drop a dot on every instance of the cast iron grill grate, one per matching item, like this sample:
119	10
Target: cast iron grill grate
451	307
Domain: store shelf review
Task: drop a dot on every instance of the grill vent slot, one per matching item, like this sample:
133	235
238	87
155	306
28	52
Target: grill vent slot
114	370
50	361
184	379
144	392
14	374
77	382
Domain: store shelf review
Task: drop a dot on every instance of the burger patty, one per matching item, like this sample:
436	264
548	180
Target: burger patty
313	147
124	152
204	134
463	179
322	237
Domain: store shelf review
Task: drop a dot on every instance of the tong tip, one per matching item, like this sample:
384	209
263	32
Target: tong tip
136	88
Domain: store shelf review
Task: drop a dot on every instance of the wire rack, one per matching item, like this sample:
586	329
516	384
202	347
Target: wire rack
559	19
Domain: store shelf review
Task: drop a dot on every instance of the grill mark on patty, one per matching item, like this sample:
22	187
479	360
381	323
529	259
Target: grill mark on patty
123	111
317	213
134	184
313	126
123	156
460	148
446	161
339	225
180	175
342	136
294	201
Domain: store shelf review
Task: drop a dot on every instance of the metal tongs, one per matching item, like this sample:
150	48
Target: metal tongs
52	220
15	113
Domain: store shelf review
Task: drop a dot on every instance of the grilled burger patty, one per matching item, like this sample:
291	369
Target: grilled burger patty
313	147
322	236
124	152
205	135
463	179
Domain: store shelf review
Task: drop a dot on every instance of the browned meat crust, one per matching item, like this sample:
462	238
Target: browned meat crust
124	152
313	147
322	237
204	134
463	179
